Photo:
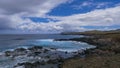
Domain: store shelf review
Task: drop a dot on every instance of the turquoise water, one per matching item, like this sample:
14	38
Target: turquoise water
60	45
46	40
13	42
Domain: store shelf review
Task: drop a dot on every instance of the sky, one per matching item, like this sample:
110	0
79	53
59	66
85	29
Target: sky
55	16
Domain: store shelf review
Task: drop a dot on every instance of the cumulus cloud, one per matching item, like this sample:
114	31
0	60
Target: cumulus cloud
12	13
103	4
28	7
83	4
90	4
103	17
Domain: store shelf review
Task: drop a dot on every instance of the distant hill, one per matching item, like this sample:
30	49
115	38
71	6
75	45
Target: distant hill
93	32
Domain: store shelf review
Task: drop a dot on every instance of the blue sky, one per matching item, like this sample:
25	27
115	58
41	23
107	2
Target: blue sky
76	7
53	16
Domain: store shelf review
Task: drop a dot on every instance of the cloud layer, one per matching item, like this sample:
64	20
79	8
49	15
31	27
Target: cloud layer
13	13
103	17
28	7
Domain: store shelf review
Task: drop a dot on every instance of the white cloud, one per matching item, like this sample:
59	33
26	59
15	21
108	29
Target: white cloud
82	5
90	4
103	17
12	11
103	4
28	7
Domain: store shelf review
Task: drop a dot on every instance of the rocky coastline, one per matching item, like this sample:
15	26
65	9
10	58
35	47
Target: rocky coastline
38	57
105	55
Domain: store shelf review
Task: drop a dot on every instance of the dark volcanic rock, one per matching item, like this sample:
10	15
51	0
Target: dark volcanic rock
8	53
16	52
35	48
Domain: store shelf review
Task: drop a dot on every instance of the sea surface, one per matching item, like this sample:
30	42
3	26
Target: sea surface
13	41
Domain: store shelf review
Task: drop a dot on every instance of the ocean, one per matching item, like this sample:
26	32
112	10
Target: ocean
13	41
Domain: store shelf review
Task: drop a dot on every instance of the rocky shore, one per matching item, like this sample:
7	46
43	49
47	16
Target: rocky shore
36	57
105	55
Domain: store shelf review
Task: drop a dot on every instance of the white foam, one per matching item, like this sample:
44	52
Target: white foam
1	53
45	40
67	50
20	67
